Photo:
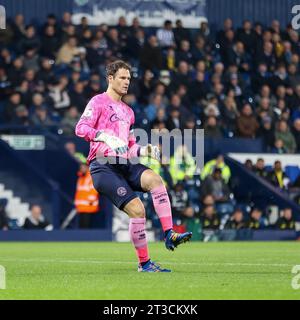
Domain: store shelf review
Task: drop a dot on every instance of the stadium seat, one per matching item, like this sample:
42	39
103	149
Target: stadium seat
292	172
224	208
268	168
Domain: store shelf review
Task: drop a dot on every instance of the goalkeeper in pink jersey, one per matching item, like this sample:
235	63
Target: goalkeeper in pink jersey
107	123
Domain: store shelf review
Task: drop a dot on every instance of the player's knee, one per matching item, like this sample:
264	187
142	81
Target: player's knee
156	181
138	211
135	209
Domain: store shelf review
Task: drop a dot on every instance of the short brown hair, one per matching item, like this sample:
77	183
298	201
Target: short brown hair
113	67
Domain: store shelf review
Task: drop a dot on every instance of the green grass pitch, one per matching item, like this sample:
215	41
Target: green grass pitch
107	271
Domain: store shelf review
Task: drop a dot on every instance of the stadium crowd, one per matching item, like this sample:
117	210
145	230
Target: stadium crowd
237	82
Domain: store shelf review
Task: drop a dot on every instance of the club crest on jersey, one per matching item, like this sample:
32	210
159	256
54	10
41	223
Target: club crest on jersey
121	191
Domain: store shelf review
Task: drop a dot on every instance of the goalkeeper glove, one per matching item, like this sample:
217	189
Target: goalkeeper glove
150	151
116	144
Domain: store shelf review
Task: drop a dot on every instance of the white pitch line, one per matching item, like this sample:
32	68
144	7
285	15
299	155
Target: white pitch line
127	262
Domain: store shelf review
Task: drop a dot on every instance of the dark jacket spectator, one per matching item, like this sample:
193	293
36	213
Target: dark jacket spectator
181	33
29	40
266	132
16	71
277	176
49	43
247	124
216	186
179	199
212	128
3	215
256	220
236	221
209	219
286	222
259	168
151	55
247	36
36	220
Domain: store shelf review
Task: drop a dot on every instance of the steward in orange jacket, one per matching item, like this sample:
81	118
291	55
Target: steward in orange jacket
86	197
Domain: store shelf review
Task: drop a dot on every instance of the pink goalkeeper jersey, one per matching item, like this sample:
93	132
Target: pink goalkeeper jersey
114	118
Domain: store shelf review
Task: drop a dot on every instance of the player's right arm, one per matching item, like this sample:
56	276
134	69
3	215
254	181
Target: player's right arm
86	126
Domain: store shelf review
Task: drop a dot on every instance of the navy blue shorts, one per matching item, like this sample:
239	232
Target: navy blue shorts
117	181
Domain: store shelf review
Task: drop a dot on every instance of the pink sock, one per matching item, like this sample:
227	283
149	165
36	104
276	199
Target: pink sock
138	238
162	206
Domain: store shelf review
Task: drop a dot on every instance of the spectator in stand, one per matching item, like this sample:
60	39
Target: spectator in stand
114	45
3	215
70	147
59	94
165	35
18	28
173	121
236	221
208	200
247	124
70	120
221	34
31	59
181	33
29	40
219	162
256	221
155	104
216	186
259	168
296	133
278	147
264	109
182	165
209	219
266	132
77	97
265	93
179	200
41	117
212	129
181	76
283	133
67	51
21	116
36	220
246	36
15	71
151	55
135	44
93	87
184	53
11	106
286	221
277	176
229	114
261	77
198	89
46	70
249	165
49	43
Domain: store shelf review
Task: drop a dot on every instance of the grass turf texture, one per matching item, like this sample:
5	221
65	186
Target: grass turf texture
109	271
